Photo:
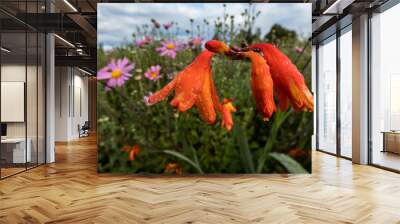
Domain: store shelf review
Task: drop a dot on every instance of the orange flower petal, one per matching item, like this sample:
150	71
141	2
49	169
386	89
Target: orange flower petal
283	100
262	85
228	103
131	155
205	104
173	168
194	85
227	120
161	94
190	81
287	78
227	110
136	149
217	46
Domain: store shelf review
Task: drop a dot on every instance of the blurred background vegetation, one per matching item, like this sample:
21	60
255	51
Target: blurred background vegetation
183	141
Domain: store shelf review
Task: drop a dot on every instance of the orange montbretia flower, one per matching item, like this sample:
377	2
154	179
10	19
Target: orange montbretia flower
132	151
262	85
173	168
188	84
194	86
228	108
288	81
217	46
297	152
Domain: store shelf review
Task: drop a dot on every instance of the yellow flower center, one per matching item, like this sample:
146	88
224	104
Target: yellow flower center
170	46
154	74
116	73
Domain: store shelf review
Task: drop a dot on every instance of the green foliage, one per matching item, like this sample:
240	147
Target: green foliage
279	32
243	145
290	164
166	136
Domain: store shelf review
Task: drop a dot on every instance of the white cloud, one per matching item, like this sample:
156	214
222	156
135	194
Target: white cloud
117	21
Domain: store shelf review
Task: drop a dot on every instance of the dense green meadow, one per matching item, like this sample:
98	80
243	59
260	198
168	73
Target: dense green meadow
181	143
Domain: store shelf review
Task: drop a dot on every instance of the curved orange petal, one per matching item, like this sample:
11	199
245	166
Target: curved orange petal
227	121
161	94
194	85
136	149
229	104
190	81
217	46
282	99
262	85
132	155
204	102
227	110
287	78
215	98
208	102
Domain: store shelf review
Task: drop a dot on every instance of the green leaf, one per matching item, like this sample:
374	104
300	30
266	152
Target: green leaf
290	164
246	156
184	158
279	118
187	147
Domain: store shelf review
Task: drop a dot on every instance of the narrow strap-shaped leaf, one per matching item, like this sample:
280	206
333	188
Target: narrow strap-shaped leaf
290	164
184	158
278	120
246	156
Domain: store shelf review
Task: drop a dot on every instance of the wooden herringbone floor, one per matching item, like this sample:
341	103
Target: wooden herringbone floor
70	191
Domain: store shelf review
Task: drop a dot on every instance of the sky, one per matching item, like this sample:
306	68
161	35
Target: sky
117	21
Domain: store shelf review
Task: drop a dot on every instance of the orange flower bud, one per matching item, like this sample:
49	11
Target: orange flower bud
173	168
132	151
217	46
227	120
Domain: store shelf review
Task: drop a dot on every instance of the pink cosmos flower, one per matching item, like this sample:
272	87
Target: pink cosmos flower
141	42
116	72
169	48
196	41
107	89
153	73
298	49
168	25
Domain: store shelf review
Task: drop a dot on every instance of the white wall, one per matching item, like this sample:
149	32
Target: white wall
33	127
80	110
12	73
71	102
16	73
62	82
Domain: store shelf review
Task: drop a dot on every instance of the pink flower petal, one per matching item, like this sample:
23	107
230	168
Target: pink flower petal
112	82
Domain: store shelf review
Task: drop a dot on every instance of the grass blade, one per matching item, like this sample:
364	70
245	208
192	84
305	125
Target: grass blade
184	158
279	118
246	156
290	164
